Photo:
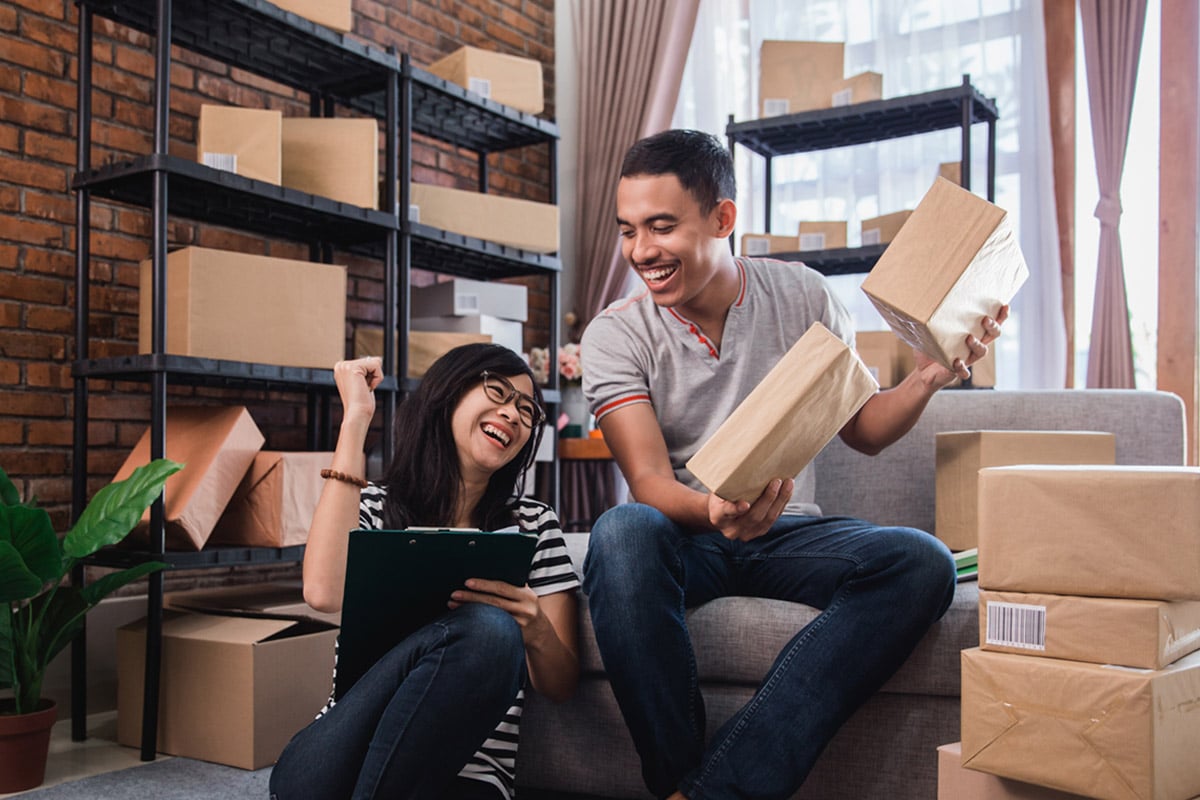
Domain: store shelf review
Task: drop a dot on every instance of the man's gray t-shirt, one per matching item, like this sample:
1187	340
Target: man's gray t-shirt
638	352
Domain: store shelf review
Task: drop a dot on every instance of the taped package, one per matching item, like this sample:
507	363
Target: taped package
273	505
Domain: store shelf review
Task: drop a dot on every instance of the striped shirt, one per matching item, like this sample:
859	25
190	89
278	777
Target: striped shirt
551	571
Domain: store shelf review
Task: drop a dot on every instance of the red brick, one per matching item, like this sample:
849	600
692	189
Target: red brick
19	344
31	289
134	59
49	8
56	207
48	32
11	432
8	18
55	320
57	432
106	245
10	199
49	375
10	373
9	254
26	173
33	56
27	114
122	84
50	262
51	492
43	147
29	232
32	404
10	315
136	142
120	407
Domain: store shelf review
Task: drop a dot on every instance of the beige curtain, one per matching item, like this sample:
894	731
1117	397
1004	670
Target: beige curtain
1112	43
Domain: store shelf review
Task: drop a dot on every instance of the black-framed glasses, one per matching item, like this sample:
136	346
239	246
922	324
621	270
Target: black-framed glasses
500	390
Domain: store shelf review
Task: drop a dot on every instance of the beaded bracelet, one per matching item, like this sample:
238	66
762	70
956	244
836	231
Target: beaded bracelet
343	477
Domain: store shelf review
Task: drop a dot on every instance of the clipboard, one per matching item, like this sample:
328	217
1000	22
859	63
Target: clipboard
399	581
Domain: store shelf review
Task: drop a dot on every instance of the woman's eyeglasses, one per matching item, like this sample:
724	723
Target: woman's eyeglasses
500	390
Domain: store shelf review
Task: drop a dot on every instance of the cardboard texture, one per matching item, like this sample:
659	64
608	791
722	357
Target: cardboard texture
860	88
245	141
763	244
507	332
216	309
462	297
955	261
273	505
798	76
784	422
1105	732
511	80
961	454
424	347
216	447
951	171
278	598
526	224
955	782
1149	634
983	371
882	229
1091	530
234	689
334	14
888	359
822	235
337	158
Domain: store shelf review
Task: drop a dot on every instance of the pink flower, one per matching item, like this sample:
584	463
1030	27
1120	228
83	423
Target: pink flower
569	366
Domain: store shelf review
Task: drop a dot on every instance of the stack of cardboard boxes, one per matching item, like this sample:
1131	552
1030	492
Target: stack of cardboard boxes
803	76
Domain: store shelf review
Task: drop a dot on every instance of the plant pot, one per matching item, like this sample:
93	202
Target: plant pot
24	745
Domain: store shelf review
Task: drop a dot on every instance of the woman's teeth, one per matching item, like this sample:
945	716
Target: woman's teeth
497	434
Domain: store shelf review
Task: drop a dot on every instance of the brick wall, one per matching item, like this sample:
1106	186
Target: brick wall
38	75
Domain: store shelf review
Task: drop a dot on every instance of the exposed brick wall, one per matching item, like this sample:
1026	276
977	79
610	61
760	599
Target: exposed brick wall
38	79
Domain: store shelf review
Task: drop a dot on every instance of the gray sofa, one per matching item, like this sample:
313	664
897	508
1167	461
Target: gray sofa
887	750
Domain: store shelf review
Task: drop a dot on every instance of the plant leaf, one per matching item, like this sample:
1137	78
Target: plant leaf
117	508
16	581
8	492
6	647
32	536
61	618
96	591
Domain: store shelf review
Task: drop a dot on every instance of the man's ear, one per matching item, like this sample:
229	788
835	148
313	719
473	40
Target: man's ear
725	216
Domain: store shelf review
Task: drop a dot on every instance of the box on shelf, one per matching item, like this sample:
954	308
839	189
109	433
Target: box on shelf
1110	733
216	445
511	80
234	689
507	332
1149	634
1099	531
462	297
785	421
822	235
424	347
245	141
956	782
276	598
274	504
525	224
961	454
860	88
798	76
334	14
764	244
882	229
888	359
215	308
337	158
951	171
955	261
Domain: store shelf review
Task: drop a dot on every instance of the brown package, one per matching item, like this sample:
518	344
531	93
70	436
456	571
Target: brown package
245	141
525	224
424	347
509	80
827	235
764	244
956	782
331	157
798	76
274	504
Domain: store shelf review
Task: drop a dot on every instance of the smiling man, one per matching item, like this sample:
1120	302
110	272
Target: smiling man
662	371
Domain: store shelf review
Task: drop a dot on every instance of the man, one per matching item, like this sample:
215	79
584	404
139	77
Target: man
662	370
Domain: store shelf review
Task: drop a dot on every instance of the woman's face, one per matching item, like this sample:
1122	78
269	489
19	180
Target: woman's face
487	432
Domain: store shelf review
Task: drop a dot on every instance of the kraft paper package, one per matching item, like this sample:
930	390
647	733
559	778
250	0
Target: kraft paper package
510	80
274	504
956	782
800	405
245	141
798	76
333	157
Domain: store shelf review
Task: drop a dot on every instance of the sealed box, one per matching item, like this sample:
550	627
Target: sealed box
764	244
888	359
245	141
233	689
511	80
822	235
216	309
334	14
275	599
882	229
798	76
860	88
1099	531
951	171
983	371
1149	634
1105	732
526	224
216	445
273	505
956	782
961	454
955	261
331	157
462	297
424	347
800	405
507	332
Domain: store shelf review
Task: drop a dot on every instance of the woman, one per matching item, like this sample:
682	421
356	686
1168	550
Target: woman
437	716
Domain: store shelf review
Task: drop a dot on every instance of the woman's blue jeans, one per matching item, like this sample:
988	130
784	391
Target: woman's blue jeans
880	590
407	727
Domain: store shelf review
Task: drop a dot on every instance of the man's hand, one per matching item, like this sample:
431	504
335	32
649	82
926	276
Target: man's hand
935	376
744	521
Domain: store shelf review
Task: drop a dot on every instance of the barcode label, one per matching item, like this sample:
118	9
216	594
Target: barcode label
225	161
775	106
466	304
843	97
812	241
1016	625
480	86
757	245
871	235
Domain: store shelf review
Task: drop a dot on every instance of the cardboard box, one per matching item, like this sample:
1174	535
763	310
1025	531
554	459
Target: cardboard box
983	371
511	80
461	297
798	76
955	782
951	171
526	224
275	599
954	262
887	358
860	88
822	235
216	309
764	244
216	445
273	505
961	454
1091	530
245	141
800	405
1149	634
424	347
234	689
1105	732
333	14
507	332
881	230
331	157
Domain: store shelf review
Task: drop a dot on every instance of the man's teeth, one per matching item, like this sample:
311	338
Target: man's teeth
496	433
658	273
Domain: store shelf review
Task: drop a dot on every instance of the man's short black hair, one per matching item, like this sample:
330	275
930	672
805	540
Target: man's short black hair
700	162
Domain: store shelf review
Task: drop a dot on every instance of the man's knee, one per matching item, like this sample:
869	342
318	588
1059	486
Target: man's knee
929	566
625	540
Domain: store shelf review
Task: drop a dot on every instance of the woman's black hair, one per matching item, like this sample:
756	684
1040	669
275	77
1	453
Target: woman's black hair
424	479
701	163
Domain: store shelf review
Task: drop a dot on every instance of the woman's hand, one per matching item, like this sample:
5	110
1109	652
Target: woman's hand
356	381
519	601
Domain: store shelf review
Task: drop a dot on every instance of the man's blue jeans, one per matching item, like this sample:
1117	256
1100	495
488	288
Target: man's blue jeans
880	590
408	726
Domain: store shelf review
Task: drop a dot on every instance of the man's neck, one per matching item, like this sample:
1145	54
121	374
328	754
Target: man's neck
710	307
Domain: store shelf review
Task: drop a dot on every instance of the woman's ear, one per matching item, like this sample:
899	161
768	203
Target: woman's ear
725	217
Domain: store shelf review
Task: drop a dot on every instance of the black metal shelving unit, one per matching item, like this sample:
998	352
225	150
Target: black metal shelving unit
877	120
334	70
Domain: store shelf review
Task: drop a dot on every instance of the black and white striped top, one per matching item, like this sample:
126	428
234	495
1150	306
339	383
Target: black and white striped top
550	572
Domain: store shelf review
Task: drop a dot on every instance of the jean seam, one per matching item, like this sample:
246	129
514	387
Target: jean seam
693	670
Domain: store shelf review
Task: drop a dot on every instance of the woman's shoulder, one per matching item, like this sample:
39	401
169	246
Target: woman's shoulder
533	515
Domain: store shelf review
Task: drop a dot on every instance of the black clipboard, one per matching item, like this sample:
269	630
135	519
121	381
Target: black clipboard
400	581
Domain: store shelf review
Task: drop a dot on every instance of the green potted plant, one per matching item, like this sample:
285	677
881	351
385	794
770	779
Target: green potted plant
43	614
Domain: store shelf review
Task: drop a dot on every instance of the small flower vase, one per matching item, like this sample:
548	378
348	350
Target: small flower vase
575	407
